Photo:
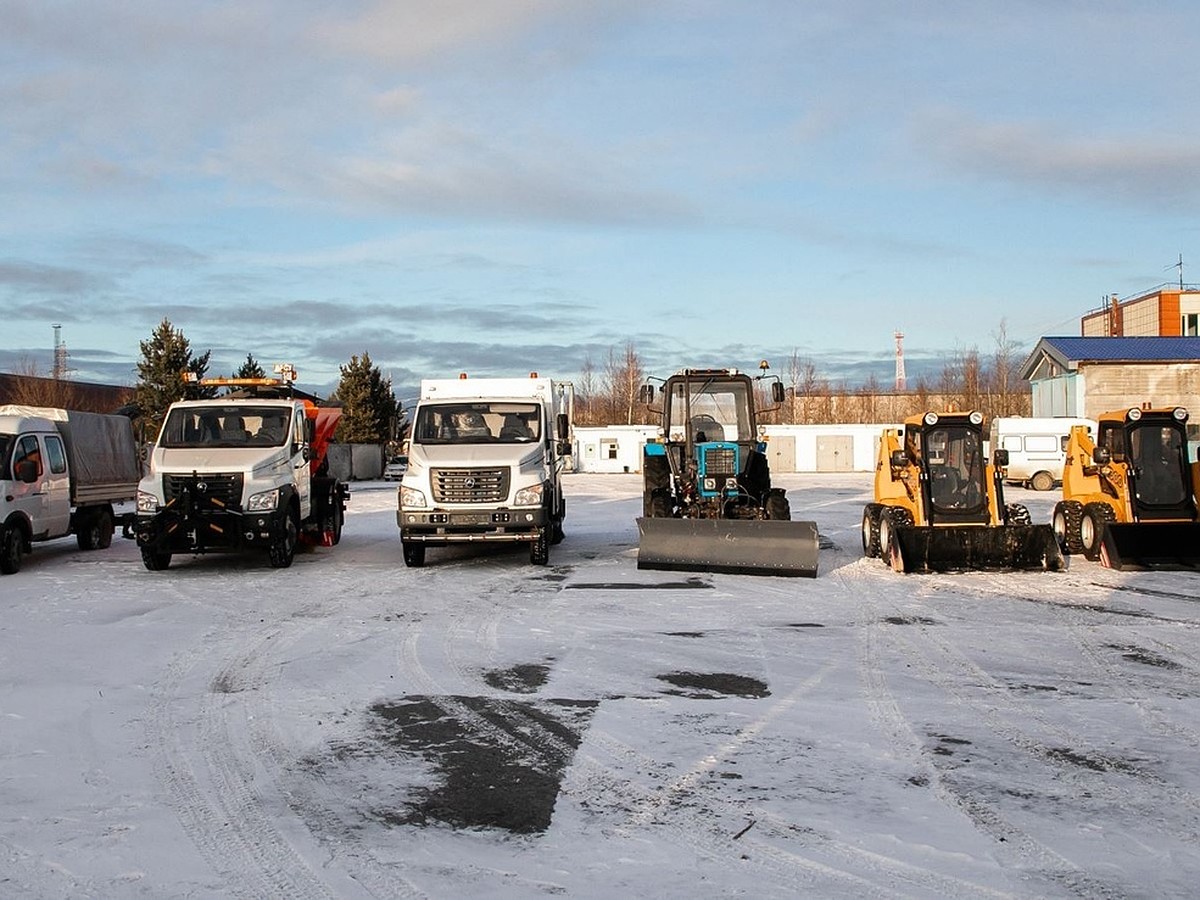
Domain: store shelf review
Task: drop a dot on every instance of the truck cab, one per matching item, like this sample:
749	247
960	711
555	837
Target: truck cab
485	463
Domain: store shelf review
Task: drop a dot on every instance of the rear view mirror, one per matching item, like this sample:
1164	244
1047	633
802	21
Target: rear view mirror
777	393
646	394
1101	456
1000	458
563	424
899	459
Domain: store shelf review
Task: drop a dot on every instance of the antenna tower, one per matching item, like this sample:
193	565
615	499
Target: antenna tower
900	382
59	371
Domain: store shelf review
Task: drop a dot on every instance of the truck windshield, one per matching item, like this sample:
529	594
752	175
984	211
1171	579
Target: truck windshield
1159	465
225	426
715	410
955	461
478	422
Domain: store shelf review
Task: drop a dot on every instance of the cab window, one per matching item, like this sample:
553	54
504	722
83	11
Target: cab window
27	449
55	455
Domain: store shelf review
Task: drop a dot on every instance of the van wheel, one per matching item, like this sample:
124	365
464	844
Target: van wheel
1042	481
155	561
10	549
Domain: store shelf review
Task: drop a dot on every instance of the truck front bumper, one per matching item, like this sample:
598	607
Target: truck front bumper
445	526
175	530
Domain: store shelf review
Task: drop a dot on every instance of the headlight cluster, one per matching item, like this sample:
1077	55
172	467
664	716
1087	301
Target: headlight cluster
146	503
529	496
266	501
411	498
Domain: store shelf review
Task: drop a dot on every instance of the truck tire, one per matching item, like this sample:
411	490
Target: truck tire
1066	521
96	531
1042	481
282	550
155	561
556	531
539	548
1091	527
870	530
778	507
414	553
11	544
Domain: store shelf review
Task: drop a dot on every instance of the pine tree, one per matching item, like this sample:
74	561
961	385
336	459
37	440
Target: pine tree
165	357
368	404
250	368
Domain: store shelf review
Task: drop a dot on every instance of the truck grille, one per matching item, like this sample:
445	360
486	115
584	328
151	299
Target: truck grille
225	488
720	461
470	485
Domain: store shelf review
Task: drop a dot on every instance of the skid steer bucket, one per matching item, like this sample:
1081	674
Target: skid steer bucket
965	547
1151	545
739	546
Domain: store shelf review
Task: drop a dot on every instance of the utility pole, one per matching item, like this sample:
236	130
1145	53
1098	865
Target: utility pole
900	380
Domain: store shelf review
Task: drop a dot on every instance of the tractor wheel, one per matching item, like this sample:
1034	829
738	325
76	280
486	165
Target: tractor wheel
11	544
660	505
1066	523
155	561
1091	527
1042	481
1017	514
778	507
414	554
282	550
870	530
539	549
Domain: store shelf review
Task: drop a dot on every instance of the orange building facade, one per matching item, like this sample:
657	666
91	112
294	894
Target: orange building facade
1162	312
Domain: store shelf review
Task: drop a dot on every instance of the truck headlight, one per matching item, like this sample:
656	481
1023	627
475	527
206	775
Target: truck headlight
264	501
411	498
146	503
529	496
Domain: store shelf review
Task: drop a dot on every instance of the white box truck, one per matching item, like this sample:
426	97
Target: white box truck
486	458
1037	447
61	471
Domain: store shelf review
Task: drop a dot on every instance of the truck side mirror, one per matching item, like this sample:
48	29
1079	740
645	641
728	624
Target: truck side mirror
563	424
899	459
1000	457
1101	456
27	471
646	394
777	393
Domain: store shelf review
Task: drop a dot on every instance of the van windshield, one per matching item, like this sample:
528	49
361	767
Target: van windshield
478	422
225	426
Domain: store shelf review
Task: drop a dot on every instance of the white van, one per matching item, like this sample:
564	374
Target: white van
1037	447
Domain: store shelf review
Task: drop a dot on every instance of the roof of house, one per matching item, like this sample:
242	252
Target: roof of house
1066	353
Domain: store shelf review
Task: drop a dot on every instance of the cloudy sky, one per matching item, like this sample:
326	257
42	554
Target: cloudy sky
495	186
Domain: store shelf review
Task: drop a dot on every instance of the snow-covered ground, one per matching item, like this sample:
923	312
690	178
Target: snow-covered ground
480	727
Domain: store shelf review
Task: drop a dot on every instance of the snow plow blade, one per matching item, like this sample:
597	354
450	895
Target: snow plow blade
967	547
1151	545
737	546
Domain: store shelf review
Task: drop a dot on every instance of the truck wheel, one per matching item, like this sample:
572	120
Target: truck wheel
1091	527
1042	481
155	561
1066	522
414	554
870	531
339	518
10	549
778	507
282	550
96	532
539	549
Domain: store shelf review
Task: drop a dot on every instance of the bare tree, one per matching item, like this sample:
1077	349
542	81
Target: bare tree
32	388
585	394
623	377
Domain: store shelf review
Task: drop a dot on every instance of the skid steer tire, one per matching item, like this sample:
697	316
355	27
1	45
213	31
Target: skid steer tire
1017	514
870	531
891	518
1066	523
1096	517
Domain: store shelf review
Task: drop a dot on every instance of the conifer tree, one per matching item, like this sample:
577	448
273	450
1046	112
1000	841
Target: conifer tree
165	357
250	368
368	404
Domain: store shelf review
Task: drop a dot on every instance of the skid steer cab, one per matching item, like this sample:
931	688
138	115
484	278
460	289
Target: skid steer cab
1129	498
708	504
939	504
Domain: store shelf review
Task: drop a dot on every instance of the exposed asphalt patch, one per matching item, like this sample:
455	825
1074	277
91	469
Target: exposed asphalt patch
700	686
1144	656
947	746
524	678
1149	592
910	620
639	585
686	634
1086	761
804	625
499	763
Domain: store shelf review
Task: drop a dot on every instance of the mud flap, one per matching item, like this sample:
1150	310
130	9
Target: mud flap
737	546
967	547
1151	545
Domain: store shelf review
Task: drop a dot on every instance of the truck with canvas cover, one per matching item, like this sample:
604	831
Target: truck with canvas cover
708	504
61	471
1130	497
486	458
246	471
939	504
